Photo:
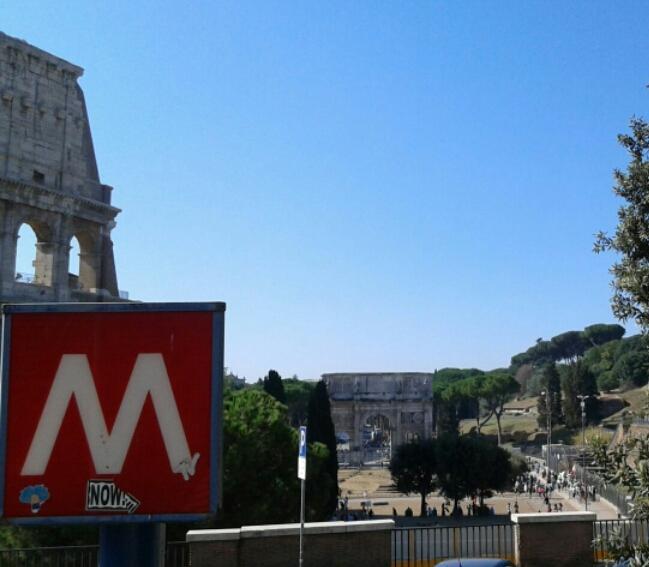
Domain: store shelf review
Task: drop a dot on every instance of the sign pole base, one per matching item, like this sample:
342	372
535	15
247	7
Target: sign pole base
132	545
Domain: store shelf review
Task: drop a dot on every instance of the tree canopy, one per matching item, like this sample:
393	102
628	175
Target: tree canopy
631	239
260	483
320	428
460	465
567	346
273	385
413	468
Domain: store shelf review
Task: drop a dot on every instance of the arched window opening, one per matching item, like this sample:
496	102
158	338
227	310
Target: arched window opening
83	262
26	255
74	263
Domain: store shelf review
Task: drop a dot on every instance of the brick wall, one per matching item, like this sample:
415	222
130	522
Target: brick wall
556	539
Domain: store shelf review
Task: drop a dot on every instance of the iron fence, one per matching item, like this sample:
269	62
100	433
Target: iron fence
633	531
72	556
425	547
176	555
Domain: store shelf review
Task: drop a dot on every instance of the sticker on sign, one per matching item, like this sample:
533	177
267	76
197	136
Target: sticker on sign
104	496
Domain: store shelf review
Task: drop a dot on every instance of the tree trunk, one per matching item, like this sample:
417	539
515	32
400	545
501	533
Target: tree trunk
498	427
423	505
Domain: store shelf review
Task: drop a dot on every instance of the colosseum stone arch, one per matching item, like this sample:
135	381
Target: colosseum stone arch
364	404
50	182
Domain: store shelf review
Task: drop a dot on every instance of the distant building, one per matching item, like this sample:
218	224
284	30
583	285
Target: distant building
375	412
50	182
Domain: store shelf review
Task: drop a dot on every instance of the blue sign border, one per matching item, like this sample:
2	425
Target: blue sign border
216	441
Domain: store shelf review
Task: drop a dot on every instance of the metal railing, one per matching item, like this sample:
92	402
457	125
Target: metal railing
72	556
425	547
633	531
176	555
614	494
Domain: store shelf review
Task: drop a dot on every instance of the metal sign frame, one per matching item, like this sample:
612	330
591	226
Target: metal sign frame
216	403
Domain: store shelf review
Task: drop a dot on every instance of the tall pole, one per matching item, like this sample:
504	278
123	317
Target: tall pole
549	410
301	519
301	474
583	446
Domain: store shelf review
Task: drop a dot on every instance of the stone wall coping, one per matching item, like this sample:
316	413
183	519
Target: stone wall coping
275	530
554	517
213	535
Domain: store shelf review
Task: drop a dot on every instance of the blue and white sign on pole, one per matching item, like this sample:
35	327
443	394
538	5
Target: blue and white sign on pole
301	458
301	474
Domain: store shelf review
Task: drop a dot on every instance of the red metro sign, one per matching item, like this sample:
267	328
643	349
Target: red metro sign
110	412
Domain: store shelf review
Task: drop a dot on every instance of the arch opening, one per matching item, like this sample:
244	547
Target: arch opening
82	264
75	252
34	256
25	254
376	440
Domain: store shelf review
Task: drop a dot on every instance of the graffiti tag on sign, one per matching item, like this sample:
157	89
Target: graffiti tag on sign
105	496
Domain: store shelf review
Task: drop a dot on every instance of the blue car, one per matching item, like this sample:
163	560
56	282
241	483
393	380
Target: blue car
475	563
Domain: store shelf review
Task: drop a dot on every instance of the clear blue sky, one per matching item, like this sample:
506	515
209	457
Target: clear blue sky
368	185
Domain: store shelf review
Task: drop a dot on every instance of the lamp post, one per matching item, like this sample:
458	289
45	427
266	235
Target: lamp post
548	408
582	403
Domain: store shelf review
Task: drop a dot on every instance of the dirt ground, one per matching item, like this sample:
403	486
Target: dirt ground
375	485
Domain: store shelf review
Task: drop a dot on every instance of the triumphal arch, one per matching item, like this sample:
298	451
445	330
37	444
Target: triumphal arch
49	183
373	413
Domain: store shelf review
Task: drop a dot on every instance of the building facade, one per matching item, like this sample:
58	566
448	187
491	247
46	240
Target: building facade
49	181
373	413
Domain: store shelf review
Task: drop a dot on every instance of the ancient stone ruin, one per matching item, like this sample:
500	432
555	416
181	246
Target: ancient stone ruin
49	181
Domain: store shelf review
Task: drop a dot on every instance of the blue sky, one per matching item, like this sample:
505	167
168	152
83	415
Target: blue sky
368	185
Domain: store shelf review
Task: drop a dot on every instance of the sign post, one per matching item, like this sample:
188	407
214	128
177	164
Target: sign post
301	474
110	414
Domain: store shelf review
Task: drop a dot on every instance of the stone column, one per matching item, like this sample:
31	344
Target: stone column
60	257
8	245
357	438
560	539
398	431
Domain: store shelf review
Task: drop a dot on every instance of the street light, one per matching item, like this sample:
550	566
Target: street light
548	409
582	403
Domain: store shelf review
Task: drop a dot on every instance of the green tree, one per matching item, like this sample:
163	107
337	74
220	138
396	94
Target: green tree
551	384
320	428
570	345
320	485
260	484
273	386
601	334
298	393
413	468
454	470
578	380
631	368
491	469
631	239
630	474
498	388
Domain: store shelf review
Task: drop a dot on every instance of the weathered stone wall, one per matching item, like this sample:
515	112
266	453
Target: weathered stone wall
49	180
404	398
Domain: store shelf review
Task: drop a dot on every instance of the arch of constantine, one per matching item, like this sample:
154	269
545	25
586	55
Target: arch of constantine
375	412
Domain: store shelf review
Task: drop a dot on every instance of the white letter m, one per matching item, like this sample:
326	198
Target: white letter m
108	450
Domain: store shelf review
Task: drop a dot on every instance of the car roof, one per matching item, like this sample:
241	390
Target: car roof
475	563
